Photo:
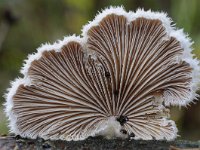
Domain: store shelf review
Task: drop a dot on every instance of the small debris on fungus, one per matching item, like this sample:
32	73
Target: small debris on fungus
122	120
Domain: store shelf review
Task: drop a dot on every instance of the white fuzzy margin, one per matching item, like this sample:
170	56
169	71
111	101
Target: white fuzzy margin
174	130
171	31
26	81
9	102
47	47
130	17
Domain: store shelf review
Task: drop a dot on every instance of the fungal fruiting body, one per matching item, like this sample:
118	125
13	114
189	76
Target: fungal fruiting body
115	80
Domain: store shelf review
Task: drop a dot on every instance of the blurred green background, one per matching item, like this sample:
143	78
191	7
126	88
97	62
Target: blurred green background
25	24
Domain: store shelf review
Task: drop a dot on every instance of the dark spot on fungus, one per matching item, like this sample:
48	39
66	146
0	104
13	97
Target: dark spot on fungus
123	131
17	137
107	74
122	120
132	135
46	146
30	142
116	92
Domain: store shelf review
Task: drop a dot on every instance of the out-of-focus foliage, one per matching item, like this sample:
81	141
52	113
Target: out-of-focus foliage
186	14
40	21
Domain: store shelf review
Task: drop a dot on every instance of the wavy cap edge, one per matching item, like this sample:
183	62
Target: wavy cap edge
171	31
130	16
56	46
185	42
8	105
26	81
188	56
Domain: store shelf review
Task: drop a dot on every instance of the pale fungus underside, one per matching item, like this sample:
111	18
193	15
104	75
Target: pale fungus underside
115	81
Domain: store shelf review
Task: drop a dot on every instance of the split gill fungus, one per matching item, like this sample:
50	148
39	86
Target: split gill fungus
117	80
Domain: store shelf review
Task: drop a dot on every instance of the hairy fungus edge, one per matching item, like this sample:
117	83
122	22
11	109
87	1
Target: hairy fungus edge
8	105
130	16
184	40
26	81
47	47
171	30
187	56
173	128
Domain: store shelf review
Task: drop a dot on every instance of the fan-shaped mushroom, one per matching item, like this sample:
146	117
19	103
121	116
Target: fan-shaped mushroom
116	80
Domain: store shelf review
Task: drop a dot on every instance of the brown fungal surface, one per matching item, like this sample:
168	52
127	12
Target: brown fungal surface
115	84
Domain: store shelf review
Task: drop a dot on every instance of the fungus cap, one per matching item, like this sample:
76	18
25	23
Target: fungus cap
116	80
